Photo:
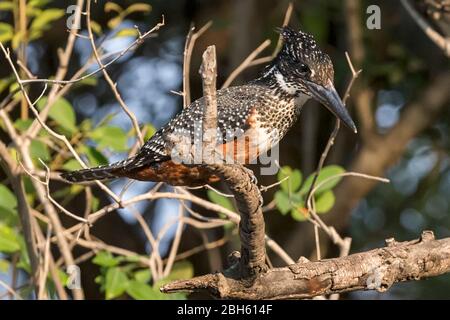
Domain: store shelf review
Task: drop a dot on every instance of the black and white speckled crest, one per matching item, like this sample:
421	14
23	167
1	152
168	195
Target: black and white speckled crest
301	59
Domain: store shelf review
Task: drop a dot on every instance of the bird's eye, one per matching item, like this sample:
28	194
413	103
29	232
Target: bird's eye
303	68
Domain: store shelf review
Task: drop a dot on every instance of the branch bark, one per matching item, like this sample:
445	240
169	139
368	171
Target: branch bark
240	180
377	269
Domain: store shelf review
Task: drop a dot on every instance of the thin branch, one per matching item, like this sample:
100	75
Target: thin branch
111	83
246	63
44	271
442	42
60	137
287	18
175	242
64	58
188	48
10	290
154	262
40	190
103	66
25	216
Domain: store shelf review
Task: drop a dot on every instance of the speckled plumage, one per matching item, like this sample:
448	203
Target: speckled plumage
269	103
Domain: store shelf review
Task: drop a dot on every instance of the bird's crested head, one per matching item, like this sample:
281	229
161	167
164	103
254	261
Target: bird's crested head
301	67
300	59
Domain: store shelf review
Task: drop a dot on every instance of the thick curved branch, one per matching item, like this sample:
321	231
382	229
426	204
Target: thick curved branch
251	227
377	270
239	179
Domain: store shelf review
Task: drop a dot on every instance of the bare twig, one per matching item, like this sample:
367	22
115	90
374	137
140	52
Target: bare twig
442	42
188	48
176	242
23	209
40	190
287	18
111	83
10	290
44	271
246	63
64	58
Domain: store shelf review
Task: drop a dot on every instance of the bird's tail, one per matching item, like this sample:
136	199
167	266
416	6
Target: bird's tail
98	173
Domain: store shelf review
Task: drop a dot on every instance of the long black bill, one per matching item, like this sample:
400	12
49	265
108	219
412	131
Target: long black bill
330	99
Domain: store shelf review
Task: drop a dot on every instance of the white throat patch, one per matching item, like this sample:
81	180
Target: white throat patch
284	85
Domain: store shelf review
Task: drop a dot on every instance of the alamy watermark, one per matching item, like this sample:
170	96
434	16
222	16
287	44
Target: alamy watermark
374	19
234	147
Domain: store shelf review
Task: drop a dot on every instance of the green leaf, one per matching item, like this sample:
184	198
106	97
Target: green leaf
114	22
6	32
22	125
5	83
4	265
90	81
24	261
138	7
95	157
17	39
44	19
116	282
38	3
62	112
39	150
85	125
165	296
110	137
95	204
294	180
220	200
111	6
299	214
141	291
143	275
99	279
13	87
105	259
150	131
97	28
63	277
9	241
282	201
181	270
325	173
7	199
6	5
8	216
127	32
71	165
325	202
134	258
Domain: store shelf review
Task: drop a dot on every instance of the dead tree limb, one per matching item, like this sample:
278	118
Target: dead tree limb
377	269
240	180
